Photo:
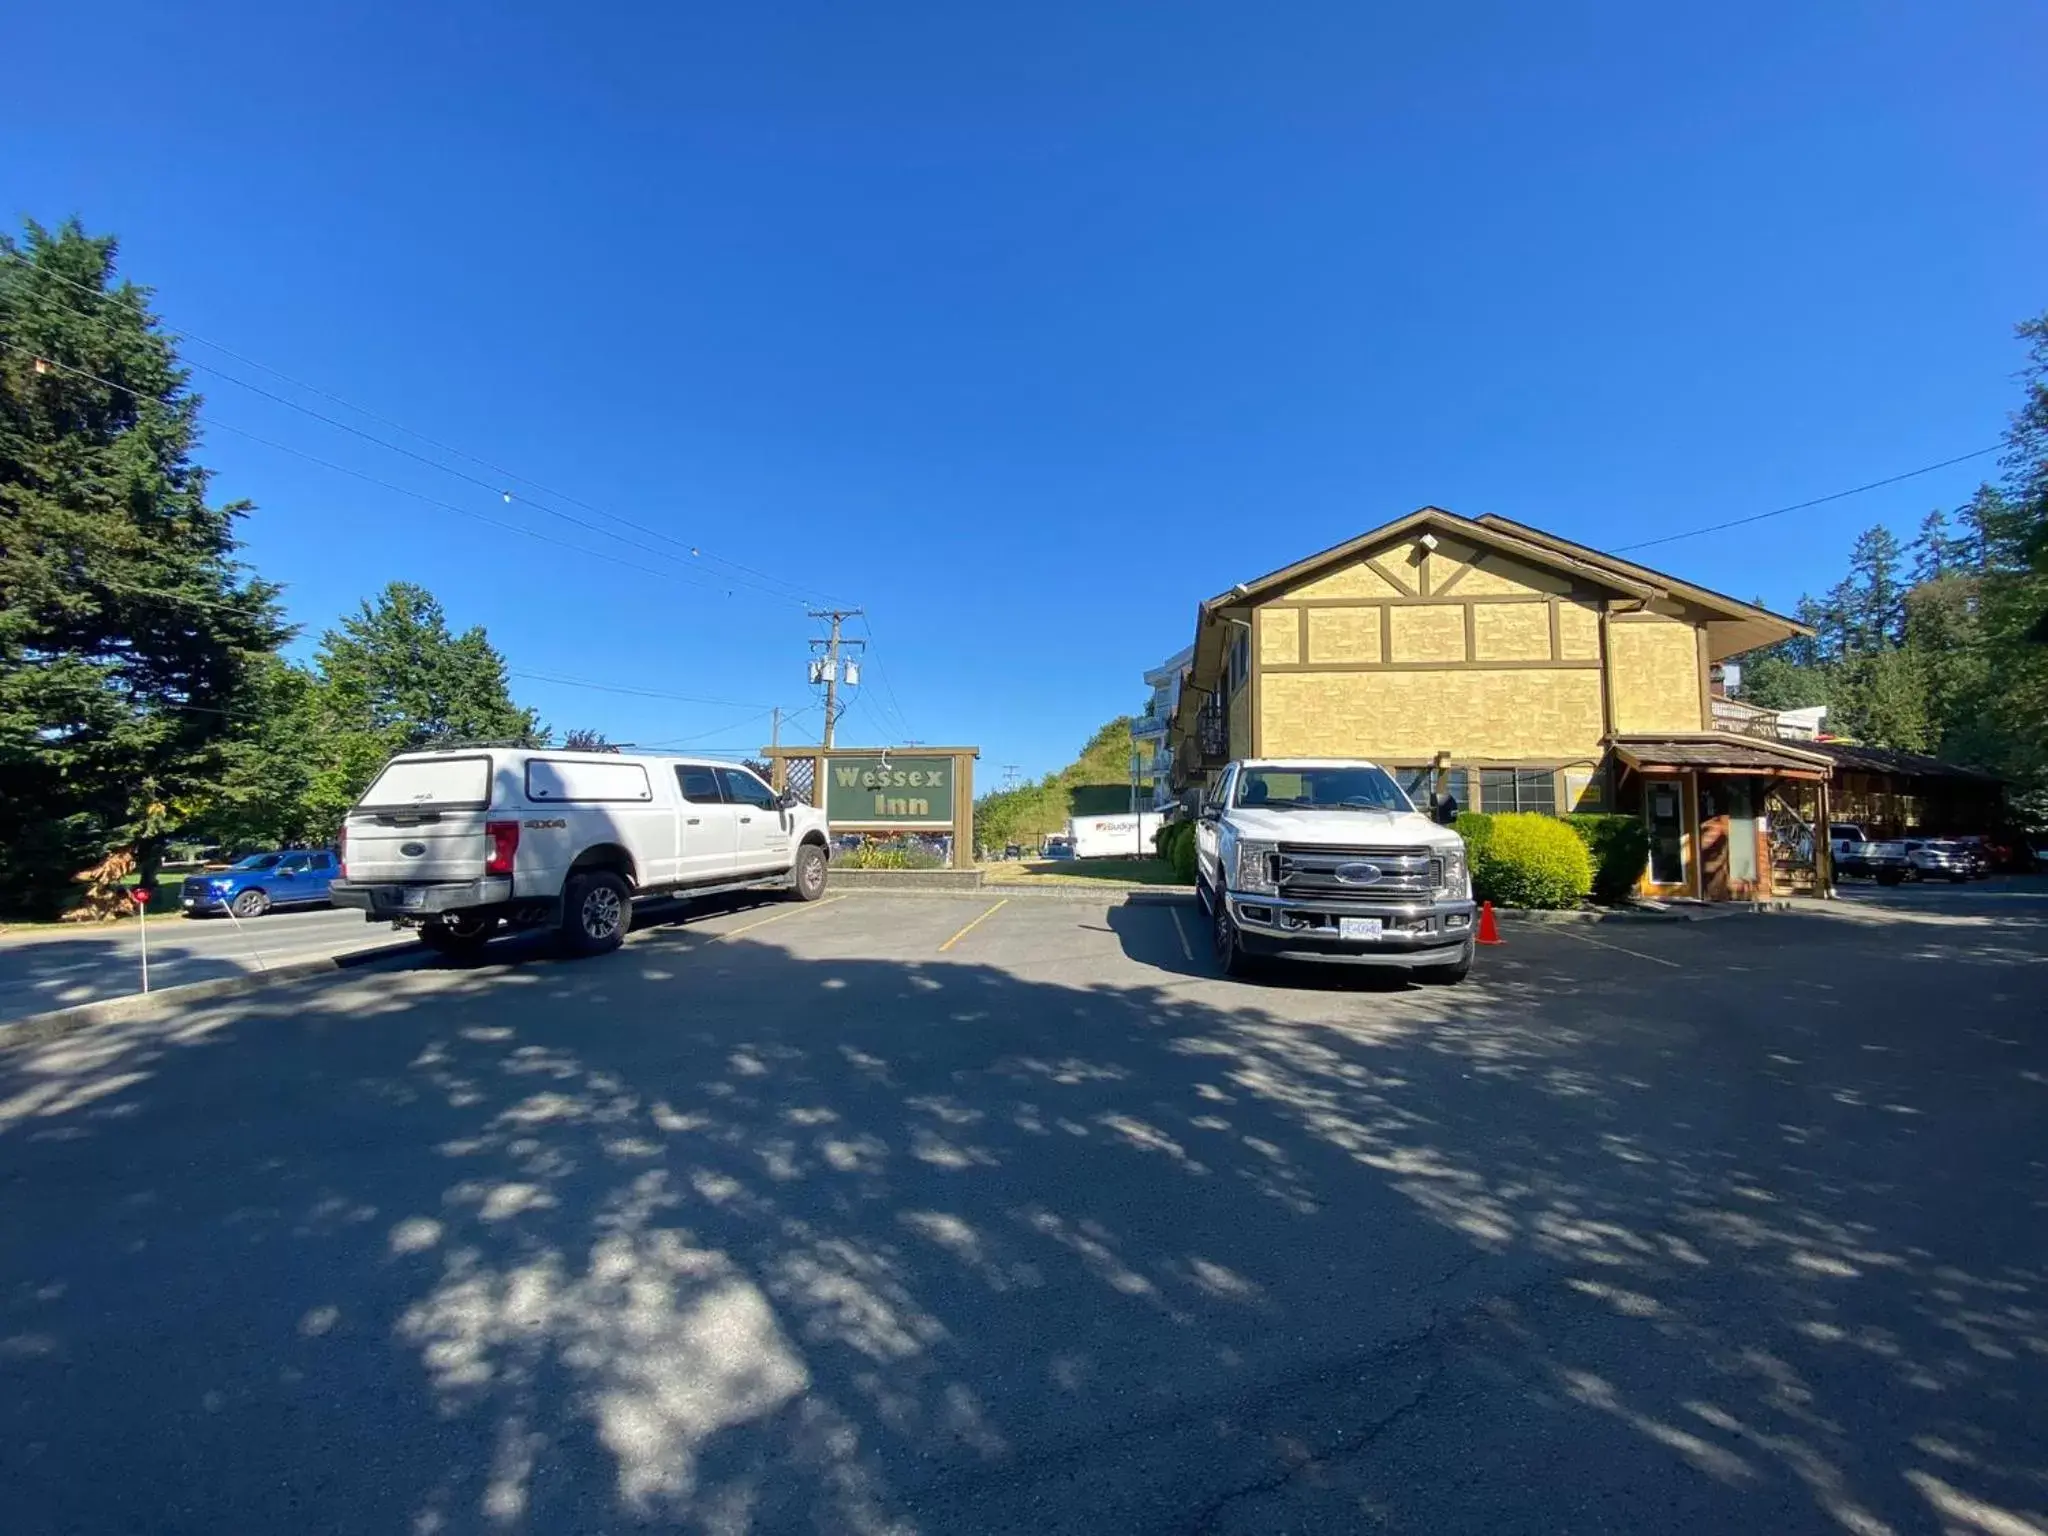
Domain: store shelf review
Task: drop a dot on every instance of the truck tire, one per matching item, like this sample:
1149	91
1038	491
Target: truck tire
807	874
1231	959
1448	975
250	904
597	909
457	936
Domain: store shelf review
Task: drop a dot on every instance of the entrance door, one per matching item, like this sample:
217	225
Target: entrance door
1741	798
1664	810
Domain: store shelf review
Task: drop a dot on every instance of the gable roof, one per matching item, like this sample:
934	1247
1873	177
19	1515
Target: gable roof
1692	592
1733	626
1426	519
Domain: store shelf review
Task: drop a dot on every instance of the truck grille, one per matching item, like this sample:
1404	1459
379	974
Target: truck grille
1396	874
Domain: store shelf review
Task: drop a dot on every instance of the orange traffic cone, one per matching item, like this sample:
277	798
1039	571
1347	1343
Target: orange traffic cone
1489	930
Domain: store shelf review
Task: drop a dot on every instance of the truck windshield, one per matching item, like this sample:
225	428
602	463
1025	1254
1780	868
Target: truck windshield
257	861
1281	788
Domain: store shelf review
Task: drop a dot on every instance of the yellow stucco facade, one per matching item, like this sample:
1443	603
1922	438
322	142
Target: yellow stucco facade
1407	653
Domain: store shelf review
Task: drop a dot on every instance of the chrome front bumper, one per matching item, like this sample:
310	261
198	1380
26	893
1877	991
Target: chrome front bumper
1418	932
393	900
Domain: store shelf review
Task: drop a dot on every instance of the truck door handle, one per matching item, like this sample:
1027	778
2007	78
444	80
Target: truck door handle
746	818
693	821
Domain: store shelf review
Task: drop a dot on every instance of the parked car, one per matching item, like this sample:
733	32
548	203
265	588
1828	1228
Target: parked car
1941	859
462	844
1886	861
1327	859
254	885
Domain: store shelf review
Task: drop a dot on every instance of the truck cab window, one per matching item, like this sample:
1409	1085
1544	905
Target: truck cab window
699	785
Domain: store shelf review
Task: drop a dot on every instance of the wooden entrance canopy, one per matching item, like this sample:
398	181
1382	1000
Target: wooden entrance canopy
1720	753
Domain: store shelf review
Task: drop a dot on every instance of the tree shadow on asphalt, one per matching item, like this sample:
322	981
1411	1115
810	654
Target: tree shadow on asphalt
709	1235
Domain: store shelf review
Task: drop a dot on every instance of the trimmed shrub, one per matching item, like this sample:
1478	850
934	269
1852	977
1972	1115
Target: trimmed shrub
1531	861
1620	849
1475	827
1180	851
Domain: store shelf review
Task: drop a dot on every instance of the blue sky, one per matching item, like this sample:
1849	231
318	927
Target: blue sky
1028	329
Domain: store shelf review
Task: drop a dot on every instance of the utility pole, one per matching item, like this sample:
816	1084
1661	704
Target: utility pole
774	727
1013	775
825	667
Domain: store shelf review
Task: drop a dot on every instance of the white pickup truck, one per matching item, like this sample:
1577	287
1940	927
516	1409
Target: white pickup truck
1327	859
460	844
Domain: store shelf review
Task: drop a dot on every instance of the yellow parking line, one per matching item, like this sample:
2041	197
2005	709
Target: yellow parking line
991	912
1565	929
1186	948
733	933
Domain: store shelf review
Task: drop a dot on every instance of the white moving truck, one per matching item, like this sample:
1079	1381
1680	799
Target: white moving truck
1113	837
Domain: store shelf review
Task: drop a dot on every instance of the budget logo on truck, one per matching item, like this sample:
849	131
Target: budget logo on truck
917	792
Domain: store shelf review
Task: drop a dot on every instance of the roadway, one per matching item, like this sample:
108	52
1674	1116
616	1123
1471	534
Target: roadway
991	1214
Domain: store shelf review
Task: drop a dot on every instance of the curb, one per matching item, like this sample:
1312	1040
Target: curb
134	1007
905	879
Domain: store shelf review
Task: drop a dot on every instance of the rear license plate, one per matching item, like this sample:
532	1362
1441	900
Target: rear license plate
1358	927
408	898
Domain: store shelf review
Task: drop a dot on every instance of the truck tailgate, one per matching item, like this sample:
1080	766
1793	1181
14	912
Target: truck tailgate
416	845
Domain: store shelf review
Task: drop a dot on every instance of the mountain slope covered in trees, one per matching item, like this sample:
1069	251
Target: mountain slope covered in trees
1097	783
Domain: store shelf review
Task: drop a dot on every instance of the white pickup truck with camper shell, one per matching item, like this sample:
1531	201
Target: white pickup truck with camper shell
461	844
1328	859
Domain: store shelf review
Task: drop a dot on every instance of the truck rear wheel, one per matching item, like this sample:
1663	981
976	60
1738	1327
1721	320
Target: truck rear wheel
807	875
597	908
457	935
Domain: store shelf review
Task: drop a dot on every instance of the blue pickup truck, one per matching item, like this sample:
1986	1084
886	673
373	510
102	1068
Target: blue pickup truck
254	885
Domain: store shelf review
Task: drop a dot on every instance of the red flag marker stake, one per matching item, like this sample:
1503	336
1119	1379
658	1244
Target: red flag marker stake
140	896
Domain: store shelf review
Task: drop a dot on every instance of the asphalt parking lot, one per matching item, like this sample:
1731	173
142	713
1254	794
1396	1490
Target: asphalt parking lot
944	1214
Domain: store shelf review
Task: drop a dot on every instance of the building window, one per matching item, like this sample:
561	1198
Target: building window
1420	783
1518	789
1240	658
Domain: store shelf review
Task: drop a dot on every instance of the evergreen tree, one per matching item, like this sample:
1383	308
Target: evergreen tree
1873	608
129	635
1936	553
393	678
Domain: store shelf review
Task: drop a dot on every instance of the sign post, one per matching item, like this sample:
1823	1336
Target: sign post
140	896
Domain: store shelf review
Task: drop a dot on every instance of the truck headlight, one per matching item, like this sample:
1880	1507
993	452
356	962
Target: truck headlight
1457	878
1258	871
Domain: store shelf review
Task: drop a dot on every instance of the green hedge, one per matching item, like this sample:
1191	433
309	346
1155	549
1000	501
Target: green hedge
1177	844
1475	827
1620	849
1525	860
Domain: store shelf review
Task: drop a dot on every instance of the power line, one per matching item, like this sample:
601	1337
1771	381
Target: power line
794	592
369	479
645	693
1801	506
902	720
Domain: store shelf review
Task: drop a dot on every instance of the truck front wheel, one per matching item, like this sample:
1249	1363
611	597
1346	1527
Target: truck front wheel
596	911
1231	959
1448	975
807	876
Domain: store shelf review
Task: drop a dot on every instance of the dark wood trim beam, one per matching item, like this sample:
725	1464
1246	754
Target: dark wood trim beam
1556	629
1387	575
1471	632
1478	559
1435	600
1276	669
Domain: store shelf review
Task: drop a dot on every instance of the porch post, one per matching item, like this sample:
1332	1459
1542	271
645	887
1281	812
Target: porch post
1823	850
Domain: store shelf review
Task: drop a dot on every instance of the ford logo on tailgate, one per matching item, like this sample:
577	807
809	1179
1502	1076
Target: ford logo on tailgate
414	850
1358	874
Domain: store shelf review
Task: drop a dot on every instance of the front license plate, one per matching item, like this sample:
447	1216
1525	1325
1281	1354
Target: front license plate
1358	927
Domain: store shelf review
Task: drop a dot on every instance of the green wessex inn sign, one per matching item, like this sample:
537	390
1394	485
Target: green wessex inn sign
889	790
905	789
